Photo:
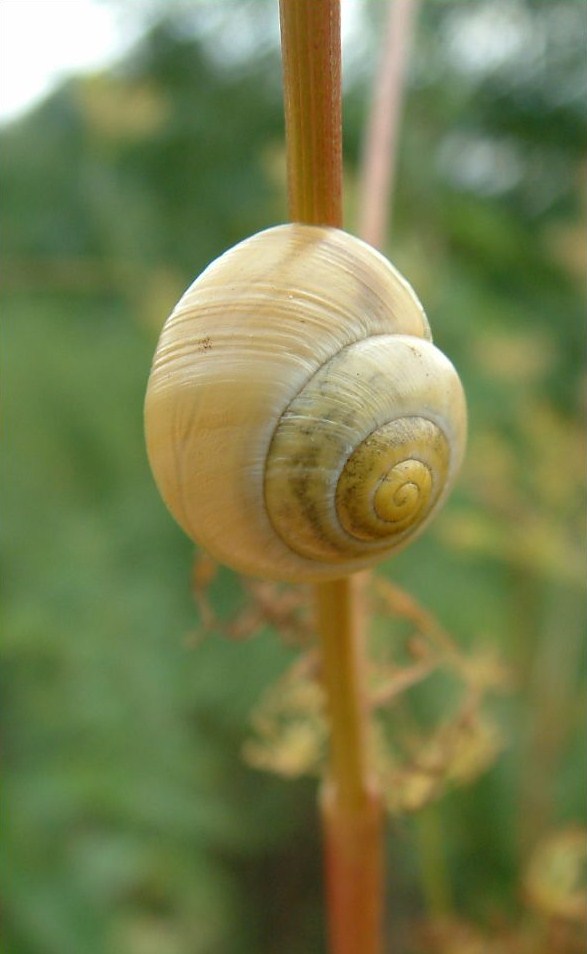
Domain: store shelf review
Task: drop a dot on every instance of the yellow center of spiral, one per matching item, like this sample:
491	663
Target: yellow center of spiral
404	490
393	479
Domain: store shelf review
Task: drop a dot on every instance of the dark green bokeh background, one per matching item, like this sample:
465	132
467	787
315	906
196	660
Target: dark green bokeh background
134	827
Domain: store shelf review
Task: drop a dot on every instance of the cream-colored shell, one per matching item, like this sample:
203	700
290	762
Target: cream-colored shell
300	424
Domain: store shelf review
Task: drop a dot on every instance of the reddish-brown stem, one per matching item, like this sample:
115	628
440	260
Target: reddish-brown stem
354	873
352	810
351	804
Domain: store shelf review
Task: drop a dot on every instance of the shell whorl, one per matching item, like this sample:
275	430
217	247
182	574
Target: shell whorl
300	423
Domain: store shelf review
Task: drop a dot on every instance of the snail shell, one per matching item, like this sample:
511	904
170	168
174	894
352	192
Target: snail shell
300	423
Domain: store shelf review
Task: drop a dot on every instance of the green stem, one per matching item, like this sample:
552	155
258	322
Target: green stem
435	878
341	636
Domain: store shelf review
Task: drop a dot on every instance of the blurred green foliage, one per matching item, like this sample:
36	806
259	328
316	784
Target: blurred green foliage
135	826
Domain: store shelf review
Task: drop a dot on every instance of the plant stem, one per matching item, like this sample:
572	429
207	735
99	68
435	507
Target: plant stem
310	48
381	140
339	624
351	804
434	875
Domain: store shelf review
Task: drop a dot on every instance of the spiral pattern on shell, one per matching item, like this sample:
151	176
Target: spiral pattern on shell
300	423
